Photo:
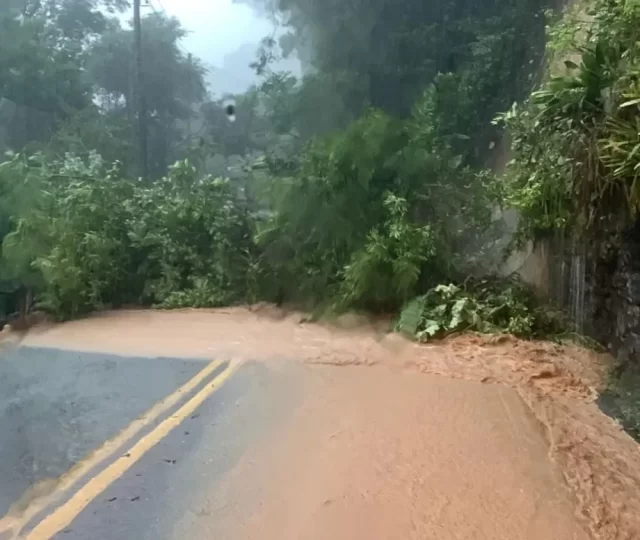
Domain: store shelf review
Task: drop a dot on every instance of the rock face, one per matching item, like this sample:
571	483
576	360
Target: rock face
601	295
620	302
608	296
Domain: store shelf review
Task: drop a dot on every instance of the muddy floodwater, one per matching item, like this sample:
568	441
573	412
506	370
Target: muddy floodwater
472	438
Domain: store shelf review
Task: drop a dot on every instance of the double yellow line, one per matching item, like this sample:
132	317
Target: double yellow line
63	515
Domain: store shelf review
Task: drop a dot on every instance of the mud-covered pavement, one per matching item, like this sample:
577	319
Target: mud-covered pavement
259	425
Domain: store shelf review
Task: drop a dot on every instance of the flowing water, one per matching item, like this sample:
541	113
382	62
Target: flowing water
473	437
577	288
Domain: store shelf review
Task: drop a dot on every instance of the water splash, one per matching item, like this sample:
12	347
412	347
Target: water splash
577	287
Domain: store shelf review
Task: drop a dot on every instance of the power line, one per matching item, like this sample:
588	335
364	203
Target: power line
161	7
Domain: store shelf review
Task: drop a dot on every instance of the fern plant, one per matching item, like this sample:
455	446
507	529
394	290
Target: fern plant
385	272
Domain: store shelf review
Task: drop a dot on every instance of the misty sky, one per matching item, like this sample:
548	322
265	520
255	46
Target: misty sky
224	35
217	27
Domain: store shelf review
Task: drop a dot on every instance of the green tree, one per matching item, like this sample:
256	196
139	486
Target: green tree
380	53
173	83
42	65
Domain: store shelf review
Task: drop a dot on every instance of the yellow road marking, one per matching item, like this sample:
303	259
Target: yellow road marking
62	517
31	504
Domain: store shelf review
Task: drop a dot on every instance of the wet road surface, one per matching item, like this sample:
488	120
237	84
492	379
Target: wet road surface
169	486
104	446
56	406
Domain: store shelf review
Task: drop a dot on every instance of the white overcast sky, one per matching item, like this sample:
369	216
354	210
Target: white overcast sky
217	27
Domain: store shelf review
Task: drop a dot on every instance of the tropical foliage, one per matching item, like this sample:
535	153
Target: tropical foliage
483	305
359	185
576	140
576	165
93	238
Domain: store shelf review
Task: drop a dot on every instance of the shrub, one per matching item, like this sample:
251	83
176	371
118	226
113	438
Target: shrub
485	305
96	239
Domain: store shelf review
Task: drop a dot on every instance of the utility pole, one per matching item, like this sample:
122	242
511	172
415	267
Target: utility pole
190	62
141	104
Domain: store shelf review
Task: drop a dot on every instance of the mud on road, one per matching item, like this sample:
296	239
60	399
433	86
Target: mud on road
588	468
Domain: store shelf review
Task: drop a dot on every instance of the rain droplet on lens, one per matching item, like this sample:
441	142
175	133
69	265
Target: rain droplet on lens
230	110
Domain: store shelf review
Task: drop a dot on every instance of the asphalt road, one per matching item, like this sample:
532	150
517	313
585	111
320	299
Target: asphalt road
56	407
99	447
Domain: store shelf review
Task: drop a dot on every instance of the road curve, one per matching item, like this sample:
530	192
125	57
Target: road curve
285	449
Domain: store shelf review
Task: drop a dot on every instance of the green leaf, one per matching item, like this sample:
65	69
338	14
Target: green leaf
431	328
630	103
447	291
457	313
411	316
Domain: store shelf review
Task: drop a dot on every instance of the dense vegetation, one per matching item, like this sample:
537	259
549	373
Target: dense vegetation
361	185
576	140
576	163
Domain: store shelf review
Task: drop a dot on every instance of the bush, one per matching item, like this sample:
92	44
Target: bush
377	213
75	238
96	239
386	271
486	305
325	210
196	235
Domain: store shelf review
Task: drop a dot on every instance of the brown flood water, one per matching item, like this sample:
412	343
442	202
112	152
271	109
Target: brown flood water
517	449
